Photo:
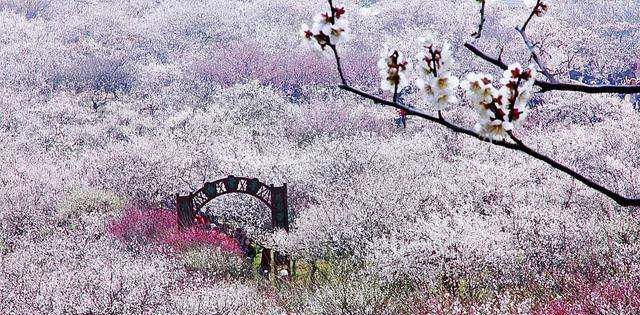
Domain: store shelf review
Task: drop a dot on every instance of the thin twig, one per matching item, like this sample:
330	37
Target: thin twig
338	63
333	46
541	64
522	30
395	94
495	61
478	33
548	86
533	12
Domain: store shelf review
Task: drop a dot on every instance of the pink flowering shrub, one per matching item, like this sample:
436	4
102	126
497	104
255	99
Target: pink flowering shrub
181	240
336	119
159	227
612	296
578	296
287	72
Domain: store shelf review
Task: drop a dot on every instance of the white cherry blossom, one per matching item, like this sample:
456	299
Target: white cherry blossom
394	70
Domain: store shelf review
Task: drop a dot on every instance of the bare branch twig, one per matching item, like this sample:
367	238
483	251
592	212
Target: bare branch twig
522	30
541	64
478	33
533	12
338	63
548	86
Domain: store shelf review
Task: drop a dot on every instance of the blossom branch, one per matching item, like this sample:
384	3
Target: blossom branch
501	110
549	86
537	10
516	145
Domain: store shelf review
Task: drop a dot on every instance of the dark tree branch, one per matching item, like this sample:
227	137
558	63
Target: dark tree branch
478	33
621	200
395	94
590	89
548	86
554	85
517	144
495	61
333	46
412	111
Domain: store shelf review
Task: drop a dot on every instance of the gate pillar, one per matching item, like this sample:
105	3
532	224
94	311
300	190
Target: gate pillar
186	213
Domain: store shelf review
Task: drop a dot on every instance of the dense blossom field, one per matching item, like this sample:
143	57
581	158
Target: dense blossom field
109	108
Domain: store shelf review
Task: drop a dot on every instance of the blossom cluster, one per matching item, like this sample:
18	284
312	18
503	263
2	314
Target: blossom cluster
328	29
394	68
434	77
433	66
501	110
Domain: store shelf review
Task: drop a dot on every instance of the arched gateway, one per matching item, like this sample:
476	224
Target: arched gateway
274	197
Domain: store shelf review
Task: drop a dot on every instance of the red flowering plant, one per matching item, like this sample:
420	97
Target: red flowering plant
581	296
159	228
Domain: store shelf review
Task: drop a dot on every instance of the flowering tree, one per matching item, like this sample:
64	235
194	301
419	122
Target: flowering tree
501	109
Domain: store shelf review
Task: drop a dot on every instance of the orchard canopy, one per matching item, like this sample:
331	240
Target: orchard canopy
439	156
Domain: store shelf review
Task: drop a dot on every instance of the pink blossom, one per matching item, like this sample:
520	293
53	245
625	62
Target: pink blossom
245	61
